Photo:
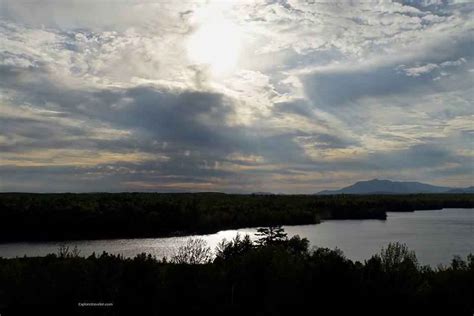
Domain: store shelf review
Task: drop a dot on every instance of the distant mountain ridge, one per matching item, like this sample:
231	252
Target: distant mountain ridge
377	186
462	190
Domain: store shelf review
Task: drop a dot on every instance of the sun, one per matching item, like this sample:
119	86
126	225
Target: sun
215	44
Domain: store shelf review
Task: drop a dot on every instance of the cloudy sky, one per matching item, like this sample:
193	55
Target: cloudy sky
234	96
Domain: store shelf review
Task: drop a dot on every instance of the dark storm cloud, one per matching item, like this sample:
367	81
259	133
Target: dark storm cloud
186	120
299	107
336	89
439	7
326	141
111	101
192	118
332	89
418	158
189	128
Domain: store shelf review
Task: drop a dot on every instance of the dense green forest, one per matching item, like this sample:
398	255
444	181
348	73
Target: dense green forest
274	276
26	216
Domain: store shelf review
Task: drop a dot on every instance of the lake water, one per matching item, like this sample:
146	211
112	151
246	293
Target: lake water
436	236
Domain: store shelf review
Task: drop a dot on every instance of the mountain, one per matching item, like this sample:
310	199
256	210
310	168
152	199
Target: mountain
376	186
462	190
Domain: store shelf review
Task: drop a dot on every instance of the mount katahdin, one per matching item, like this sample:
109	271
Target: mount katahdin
377	186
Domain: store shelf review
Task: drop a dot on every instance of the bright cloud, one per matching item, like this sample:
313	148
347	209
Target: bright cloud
235	96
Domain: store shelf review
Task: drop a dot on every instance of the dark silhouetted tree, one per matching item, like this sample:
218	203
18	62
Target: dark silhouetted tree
238	246
271	235
194	251
397	255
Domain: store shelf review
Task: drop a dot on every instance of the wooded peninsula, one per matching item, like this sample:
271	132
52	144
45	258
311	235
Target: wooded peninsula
68	216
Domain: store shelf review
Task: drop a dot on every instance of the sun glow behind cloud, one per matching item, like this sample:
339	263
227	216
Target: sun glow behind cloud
215	44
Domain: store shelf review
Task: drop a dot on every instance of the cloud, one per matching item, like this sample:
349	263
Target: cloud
430	67
323	94
421	70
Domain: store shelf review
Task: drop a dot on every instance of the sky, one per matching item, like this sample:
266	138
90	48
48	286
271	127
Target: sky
234	96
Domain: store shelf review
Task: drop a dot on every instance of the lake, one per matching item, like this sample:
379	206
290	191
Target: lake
436	236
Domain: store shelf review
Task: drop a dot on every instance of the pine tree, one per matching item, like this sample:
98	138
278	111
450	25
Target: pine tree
271	235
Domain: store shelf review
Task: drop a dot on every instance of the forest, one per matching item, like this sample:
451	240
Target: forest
68	216
275	275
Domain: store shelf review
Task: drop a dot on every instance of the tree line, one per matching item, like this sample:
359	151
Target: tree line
34	217
274	276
